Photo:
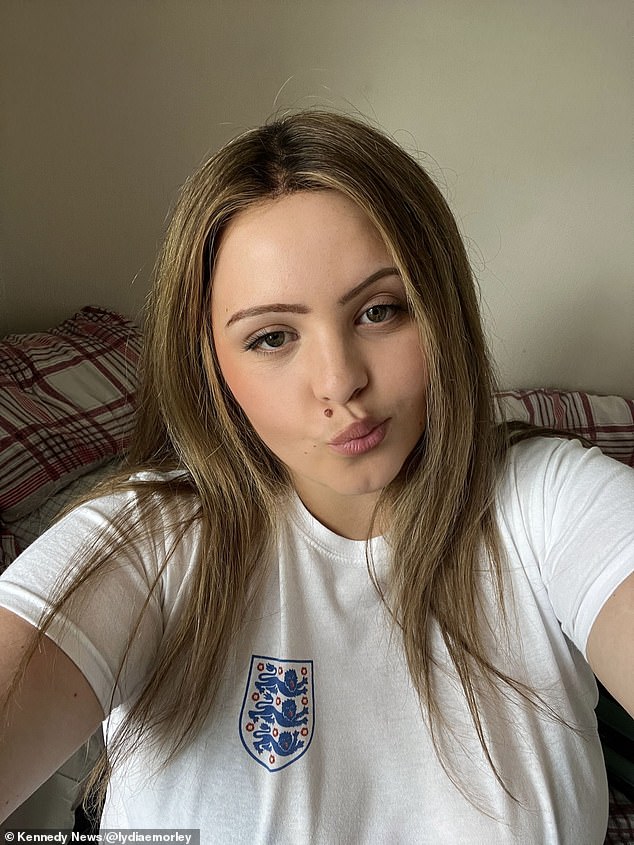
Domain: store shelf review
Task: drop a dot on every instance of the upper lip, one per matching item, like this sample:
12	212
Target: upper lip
358	429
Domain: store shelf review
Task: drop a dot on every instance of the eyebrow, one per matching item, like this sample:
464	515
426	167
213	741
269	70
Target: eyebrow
286	308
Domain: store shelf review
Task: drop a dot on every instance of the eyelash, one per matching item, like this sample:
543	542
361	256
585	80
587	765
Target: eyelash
253	344
396	310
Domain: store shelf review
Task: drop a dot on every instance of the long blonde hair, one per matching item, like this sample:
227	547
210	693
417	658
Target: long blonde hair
439	509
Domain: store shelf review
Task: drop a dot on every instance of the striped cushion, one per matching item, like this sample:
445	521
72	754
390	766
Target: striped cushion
607	421
66	404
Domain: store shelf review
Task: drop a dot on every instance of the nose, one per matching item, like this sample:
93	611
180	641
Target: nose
339	371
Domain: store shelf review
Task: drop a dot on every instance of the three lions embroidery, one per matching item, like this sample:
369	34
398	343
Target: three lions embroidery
278	712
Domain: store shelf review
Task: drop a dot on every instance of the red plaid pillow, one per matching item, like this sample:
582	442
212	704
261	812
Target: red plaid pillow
607	421
66	404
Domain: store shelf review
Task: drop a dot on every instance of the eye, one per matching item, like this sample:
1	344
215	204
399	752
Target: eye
268	341
380	313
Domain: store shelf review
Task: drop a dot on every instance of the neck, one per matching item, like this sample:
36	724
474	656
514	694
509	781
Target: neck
350	518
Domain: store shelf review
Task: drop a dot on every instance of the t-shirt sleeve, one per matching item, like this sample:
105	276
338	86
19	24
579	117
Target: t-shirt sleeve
578	508
114	609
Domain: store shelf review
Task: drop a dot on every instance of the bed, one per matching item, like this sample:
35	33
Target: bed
66	417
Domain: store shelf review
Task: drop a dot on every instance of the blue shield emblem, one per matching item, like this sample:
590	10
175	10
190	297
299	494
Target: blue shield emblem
278	712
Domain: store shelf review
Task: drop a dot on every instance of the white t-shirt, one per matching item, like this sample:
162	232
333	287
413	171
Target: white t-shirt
317	735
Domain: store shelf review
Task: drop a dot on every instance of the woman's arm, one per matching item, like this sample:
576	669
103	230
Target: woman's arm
610	646
53	711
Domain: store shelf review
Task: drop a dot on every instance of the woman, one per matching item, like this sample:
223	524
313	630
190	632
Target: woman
330	601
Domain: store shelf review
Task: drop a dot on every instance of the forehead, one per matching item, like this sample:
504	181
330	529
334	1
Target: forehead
322	214
300	240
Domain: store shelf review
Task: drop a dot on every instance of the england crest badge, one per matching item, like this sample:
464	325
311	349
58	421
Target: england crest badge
278	712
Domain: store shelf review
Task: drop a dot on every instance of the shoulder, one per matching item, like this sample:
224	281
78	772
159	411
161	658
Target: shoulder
540	453
550	482
159	499
555	463
128	523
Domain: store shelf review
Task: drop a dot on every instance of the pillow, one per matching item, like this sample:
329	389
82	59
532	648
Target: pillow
66	404
607	421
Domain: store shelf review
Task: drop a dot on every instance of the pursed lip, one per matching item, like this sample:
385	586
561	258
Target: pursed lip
356	431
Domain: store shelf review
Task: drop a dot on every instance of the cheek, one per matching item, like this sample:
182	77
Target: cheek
264	405
239	384
252	399
411	379
415	385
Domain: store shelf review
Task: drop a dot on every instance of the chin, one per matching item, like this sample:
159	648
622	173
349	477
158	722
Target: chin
364	487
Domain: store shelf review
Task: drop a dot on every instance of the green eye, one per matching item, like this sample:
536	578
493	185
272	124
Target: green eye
378	313
273	339
268	341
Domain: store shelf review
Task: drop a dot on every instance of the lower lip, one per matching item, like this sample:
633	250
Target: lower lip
361	445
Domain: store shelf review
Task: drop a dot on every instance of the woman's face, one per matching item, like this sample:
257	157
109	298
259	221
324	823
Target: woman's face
316	344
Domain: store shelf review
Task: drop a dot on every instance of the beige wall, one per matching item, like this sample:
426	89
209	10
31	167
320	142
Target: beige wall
523	111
